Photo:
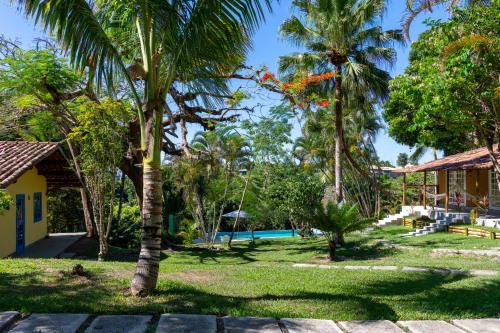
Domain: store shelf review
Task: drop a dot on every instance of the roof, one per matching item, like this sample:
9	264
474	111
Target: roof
17	157
470	160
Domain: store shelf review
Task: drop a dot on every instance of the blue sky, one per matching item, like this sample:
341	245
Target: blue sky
267	47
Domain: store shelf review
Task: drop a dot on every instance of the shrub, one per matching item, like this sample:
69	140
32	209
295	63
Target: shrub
6	201
126	233
188	232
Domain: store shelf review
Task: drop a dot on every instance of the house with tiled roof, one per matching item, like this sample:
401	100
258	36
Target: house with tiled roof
27	171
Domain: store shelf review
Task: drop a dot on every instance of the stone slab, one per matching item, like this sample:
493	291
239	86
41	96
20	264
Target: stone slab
310	326
482	272
441	271
119	324
7	318
415	269
357	267
370	326
250	325
489	325
385	268
50	323
458	272
429	326
186	323
304	265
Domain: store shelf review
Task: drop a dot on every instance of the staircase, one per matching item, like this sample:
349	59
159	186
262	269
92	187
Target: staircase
392	219
442	220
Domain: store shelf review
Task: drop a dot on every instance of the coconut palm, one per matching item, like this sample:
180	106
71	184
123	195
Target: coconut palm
416	7
347	35
149	44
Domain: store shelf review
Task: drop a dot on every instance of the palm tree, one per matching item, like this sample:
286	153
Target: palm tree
344	34
161	41
337	220
416	7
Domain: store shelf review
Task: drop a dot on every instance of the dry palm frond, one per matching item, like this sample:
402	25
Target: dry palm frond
467	41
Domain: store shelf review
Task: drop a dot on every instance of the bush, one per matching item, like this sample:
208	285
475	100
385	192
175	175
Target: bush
6	201
188	232
127	232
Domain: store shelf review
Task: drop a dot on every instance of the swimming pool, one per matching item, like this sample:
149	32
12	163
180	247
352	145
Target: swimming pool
258	234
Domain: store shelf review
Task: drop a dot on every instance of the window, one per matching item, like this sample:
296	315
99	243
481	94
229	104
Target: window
457	184
37	204
494	196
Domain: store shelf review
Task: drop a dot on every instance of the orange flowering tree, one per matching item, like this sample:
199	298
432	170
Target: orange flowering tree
296	91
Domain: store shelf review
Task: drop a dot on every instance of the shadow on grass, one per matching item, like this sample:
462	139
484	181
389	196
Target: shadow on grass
414	297
359	250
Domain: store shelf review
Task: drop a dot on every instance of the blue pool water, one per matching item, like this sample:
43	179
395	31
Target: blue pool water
258	234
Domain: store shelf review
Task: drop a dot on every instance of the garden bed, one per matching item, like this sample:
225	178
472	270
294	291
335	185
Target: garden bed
415	222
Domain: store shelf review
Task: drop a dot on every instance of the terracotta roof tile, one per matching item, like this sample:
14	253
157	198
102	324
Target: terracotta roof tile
472	159
17	157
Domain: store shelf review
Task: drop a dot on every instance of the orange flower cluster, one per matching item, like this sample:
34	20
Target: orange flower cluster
267	76
323	103
318	78
302	84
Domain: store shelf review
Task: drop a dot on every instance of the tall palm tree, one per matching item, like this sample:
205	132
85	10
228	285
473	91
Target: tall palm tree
347	35
416	7
154	42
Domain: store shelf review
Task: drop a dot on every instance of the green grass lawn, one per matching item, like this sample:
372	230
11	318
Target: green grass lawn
259	280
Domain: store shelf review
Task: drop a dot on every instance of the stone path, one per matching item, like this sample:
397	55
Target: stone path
122	323
409	269
188	323
491	253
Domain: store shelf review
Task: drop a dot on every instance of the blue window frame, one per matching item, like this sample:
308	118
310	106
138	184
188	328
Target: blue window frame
37	203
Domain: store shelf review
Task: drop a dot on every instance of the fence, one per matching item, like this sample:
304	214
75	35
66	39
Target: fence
474	232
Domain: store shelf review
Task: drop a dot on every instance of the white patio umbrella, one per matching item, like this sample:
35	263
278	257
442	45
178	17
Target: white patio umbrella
234	214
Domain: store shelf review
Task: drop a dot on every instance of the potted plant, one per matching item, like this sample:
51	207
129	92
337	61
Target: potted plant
483	204
459	200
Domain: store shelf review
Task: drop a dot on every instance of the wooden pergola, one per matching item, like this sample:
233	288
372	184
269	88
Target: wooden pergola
477	159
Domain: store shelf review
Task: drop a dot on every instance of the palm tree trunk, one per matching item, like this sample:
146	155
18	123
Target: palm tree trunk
338	133
146	274
331	248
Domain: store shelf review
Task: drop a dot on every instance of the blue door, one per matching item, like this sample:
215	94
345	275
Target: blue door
20	222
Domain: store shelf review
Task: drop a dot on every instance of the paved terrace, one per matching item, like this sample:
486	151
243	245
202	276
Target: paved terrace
183	323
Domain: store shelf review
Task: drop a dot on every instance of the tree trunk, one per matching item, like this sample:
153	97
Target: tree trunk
331	248
86	213
340	238
120	202
239	212
89	226
103	243
338	133
146	274
496	165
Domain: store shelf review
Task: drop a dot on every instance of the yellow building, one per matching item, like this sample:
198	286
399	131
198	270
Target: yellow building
27	171
463	179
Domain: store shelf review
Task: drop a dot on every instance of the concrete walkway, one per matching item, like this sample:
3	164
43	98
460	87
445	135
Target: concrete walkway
186	323
50	247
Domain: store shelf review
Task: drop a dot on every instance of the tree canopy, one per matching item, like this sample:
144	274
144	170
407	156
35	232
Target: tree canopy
448	97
